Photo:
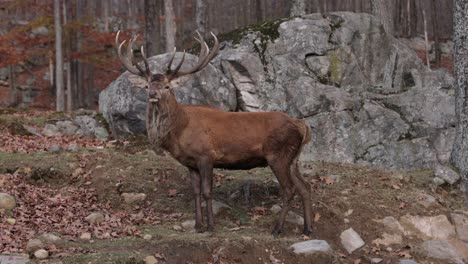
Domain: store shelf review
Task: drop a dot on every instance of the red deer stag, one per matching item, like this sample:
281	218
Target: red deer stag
202	138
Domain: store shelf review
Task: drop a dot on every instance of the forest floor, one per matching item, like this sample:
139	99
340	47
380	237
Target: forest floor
56	191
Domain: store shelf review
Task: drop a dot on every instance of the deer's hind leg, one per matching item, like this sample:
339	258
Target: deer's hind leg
301	186
288	191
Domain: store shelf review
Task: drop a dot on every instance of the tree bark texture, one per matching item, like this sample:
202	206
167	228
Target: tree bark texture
384	10
459	155
152	27
170	25
200	17
298	8
60	95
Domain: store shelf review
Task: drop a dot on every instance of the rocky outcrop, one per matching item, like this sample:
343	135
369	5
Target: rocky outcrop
367	97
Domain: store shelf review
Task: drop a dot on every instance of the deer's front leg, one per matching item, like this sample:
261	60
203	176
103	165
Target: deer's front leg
205	168
196	186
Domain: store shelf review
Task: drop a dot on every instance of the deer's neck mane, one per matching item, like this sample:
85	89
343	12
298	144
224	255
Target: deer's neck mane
164	121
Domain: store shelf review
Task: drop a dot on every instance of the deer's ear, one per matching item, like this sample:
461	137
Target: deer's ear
138	81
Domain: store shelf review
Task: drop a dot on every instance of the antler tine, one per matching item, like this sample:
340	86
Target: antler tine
128	60
168	70
214	52
204	57
145	60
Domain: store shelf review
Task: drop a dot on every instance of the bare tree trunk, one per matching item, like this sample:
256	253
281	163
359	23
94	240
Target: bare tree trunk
90	86
106	9
201	16
435	30
69	93
60	96
384	10
426	39
459	156
12	81
152	13
170	25
298	8
79	102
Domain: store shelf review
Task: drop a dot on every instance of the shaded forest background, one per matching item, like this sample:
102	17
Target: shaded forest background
27	36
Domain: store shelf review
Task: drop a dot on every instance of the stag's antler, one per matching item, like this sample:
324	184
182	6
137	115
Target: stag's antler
204	58
129	60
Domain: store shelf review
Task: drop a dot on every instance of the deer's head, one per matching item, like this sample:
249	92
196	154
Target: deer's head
158	85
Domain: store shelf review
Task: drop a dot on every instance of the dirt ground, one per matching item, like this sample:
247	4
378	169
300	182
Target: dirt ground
95	176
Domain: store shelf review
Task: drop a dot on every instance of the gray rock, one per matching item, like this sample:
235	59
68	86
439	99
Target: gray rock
275	209
351	240
66	127
294	218
131	198
41	254
87	125
33	245
50	130
7	201
426	200
432	227
441	250
367	96
32	130
40	31
311	246
461	226
54	148
407	261
50	238
85	236
376	260
438	181
73	147
447	174
392	225
101	133
188	225
151	260
147	237
95	218
13	259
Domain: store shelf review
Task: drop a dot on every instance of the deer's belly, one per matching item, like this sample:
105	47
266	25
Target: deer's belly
244	164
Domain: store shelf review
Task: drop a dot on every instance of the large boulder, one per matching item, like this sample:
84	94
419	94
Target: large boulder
367	97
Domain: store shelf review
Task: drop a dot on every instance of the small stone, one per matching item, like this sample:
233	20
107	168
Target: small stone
151	260
147	237
311	246
438	181
388	239
177	227
54	148
294	218
41	254
275	209
101	133
407	261
435	227
50	130
376	260
391	224
85	236
246	238
73	147
11	221
426	200
131	198
50	238
14	259
351	240
7	201
188	225
33	245
95	218
442	250
447	174
461	226
217	206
